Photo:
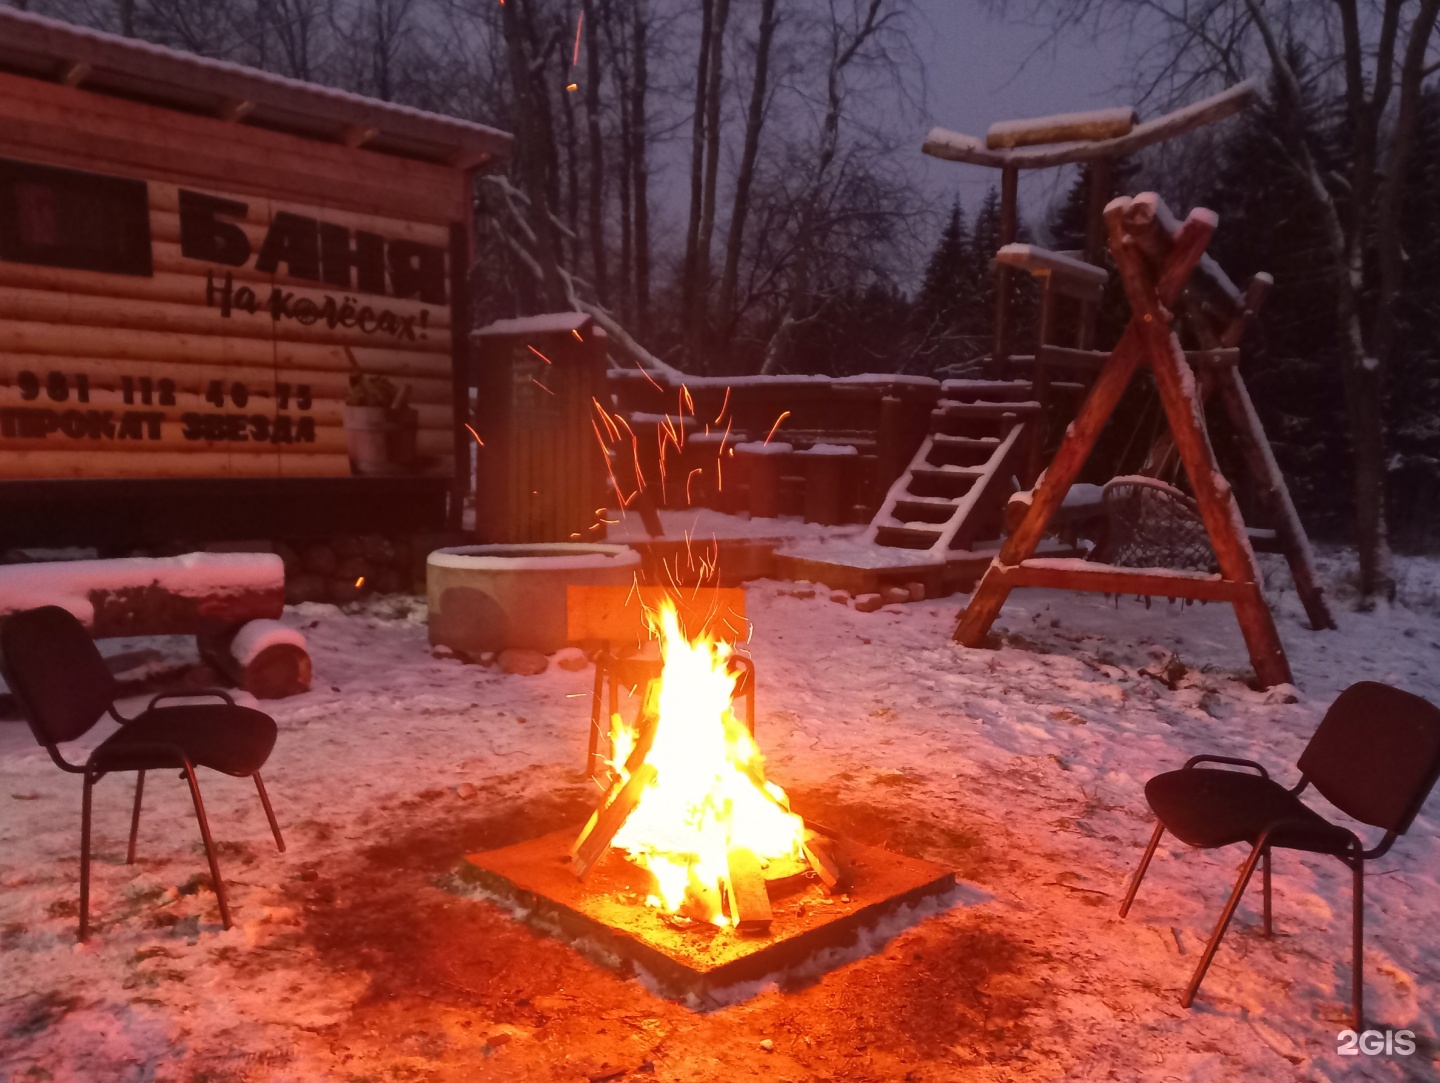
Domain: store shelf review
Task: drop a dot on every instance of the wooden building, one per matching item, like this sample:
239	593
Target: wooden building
199	263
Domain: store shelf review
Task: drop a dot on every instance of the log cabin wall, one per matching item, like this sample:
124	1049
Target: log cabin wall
230	358
184	300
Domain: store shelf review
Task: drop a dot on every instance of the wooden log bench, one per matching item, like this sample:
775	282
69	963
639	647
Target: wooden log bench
228	601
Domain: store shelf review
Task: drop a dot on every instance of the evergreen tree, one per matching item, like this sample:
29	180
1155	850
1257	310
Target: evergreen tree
859	329
984	244
980	313
949	277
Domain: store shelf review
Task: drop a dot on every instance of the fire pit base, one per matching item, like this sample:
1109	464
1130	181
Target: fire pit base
606	918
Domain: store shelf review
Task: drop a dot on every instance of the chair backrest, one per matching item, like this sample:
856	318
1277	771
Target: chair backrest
1376	754
618	614
56	672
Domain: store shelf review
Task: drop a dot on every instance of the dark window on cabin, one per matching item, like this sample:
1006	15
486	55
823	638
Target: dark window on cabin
65	218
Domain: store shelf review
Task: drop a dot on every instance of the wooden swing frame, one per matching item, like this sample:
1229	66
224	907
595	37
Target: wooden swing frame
1138	228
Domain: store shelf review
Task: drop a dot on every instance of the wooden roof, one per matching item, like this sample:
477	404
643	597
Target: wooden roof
128	68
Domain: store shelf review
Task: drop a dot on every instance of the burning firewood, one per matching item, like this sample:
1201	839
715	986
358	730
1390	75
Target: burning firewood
749	898
595	839
824	858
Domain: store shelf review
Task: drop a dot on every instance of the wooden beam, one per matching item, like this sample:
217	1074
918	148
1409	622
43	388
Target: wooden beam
956	147
1275	495
1069	574
1062	128
606	822
749	901
1009	229
1037	260
1081	360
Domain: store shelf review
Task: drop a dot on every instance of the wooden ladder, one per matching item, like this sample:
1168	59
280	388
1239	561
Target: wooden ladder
961	475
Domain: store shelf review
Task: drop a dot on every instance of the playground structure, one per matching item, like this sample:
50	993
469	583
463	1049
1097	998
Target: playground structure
1153	287
1165	272
980	475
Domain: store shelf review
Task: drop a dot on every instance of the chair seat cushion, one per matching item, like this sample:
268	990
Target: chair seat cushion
234	740
1207	808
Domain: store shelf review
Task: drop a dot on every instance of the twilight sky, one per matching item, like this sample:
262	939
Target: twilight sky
977	71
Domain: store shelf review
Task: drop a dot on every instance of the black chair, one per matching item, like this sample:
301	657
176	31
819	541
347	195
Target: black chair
64	688
1375	756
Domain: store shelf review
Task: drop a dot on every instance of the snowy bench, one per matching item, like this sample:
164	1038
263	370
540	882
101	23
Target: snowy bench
228	601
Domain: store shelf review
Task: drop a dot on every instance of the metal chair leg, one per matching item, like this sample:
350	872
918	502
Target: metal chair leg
614	704
1357	965
1220	927
209	844
269	813
85	857
1140	872
135	817
592	755
1265	880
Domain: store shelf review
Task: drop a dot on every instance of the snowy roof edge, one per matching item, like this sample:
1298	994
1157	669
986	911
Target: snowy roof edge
545	323
39	46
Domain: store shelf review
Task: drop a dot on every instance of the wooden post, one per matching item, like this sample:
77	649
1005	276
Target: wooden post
460	249
1213	494
1009	196
1097	195
1275	494
822	487
1040	386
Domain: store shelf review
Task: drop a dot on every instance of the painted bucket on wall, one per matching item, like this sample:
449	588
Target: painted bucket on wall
381	439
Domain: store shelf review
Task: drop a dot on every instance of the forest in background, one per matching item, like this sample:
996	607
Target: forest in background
727	181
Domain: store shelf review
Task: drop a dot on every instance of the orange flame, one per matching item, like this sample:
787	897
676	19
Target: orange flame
710	793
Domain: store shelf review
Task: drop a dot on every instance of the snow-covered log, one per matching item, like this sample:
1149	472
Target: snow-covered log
266	658
956	147
1062	128
186	595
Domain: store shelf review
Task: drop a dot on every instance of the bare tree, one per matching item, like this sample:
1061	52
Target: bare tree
697	325
639	167
847	39
688	276
740	207
596	202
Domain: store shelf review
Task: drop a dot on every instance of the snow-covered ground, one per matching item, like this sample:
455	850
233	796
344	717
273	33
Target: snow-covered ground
357	956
